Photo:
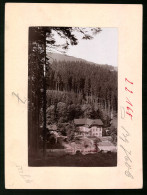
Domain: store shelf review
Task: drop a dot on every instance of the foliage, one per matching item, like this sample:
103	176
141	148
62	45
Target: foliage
113	133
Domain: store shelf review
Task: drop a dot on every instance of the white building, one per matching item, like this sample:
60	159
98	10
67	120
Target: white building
89	127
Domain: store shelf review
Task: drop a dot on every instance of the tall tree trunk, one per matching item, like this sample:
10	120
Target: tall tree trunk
30	108
44	102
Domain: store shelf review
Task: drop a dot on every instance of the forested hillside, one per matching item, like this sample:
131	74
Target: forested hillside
77	89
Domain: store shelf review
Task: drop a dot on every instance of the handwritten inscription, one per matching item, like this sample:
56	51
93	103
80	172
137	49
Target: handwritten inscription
128	159
25	177
126	112
129	106
124	136
18	98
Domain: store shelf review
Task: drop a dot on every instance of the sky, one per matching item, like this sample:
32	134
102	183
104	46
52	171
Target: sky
102	49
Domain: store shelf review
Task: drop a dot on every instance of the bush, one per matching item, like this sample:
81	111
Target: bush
78	152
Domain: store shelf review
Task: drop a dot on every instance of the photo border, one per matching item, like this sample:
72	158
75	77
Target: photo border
2	88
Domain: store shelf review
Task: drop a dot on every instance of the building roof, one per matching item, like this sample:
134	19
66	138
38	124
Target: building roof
88	122
106	143
97	122
82	121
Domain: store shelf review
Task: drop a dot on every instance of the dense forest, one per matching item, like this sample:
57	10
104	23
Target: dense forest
80	89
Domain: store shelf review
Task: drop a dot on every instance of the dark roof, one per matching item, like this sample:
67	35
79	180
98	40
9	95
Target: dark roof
97	122
89	122
82	121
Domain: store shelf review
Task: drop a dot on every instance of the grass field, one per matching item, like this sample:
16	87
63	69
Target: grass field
77	160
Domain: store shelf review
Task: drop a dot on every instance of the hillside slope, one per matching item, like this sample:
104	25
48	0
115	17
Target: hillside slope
63	57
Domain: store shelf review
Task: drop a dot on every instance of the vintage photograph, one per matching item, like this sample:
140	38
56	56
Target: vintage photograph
72	96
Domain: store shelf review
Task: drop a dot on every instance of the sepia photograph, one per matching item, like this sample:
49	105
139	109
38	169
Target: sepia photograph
72	96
